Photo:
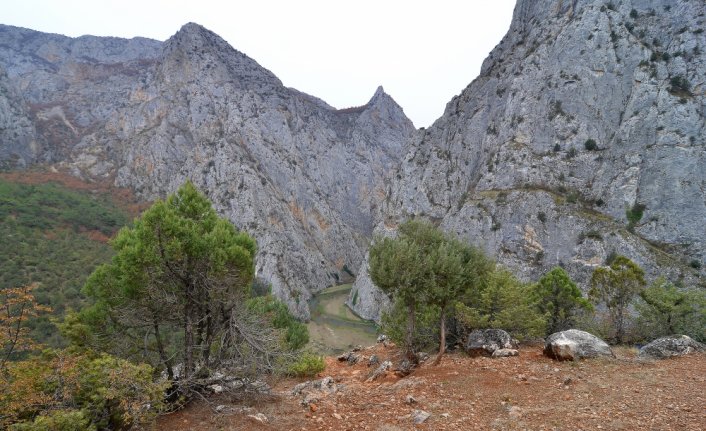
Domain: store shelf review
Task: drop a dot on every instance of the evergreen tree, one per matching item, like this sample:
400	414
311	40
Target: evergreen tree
169	293
559	299
616	286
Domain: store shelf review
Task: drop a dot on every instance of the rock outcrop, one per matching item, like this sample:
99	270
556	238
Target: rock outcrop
583	136
299	175
572	345
668	347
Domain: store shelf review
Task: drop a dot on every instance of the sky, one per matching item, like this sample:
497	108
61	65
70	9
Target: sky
422	52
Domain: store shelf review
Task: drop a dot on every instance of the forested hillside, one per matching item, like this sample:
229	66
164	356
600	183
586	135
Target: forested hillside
55	236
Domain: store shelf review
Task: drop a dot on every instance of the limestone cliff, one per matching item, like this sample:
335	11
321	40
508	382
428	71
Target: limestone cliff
299	175
585	113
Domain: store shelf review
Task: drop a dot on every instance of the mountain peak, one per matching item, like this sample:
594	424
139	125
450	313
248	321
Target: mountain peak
202	53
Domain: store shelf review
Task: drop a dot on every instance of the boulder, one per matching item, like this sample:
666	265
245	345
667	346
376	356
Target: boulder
573	344
484	342
673	345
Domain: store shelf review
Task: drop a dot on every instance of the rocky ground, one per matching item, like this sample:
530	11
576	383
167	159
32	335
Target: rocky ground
528	392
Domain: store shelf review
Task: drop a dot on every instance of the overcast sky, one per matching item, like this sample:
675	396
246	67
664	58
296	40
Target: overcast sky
422	52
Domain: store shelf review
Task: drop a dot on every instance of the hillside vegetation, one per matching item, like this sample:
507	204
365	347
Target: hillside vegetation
54	236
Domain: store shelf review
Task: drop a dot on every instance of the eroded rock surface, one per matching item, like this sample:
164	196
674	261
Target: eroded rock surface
299	175
582	113
673	345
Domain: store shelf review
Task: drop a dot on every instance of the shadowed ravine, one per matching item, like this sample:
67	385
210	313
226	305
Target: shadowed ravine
334	327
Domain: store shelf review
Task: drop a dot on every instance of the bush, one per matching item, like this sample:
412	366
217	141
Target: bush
307	365
426	334
634	214
590	145
679	85
58	420
296	334
79	391
503	303
666	310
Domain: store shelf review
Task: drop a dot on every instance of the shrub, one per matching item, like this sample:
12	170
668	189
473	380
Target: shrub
79	390
504	303
590	145
295	335
58	420
541	216
679	85
695	264
633	14
634	214
307	365
666	310
571	153
426	326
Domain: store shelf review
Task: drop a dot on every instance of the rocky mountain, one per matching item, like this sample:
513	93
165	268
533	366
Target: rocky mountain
299	175
583	136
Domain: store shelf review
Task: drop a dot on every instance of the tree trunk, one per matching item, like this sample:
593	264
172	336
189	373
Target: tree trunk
409	349
442	334
162	354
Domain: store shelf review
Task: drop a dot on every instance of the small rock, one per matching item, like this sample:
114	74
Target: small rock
337	416
515	412
567	381
373	360
221	408
422	356
382	338
503	353
410	399
259	417
380	371
217	389
419	416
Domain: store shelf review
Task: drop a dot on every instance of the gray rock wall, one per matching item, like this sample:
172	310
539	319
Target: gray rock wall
301	176
507	165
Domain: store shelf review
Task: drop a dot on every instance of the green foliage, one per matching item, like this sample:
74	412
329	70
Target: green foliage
308	365
426	328
57	420
504	303
78	390
590	145
680	85
615	287
423	266
634	214
166	297
295	335
667	310
46	231
559	299
51	206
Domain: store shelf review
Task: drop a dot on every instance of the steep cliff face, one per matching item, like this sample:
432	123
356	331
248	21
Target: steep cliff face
301	176
585	112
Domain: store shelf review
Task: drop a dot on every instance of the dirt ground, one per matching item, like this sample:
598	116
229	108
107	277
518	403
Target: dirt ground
529	392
